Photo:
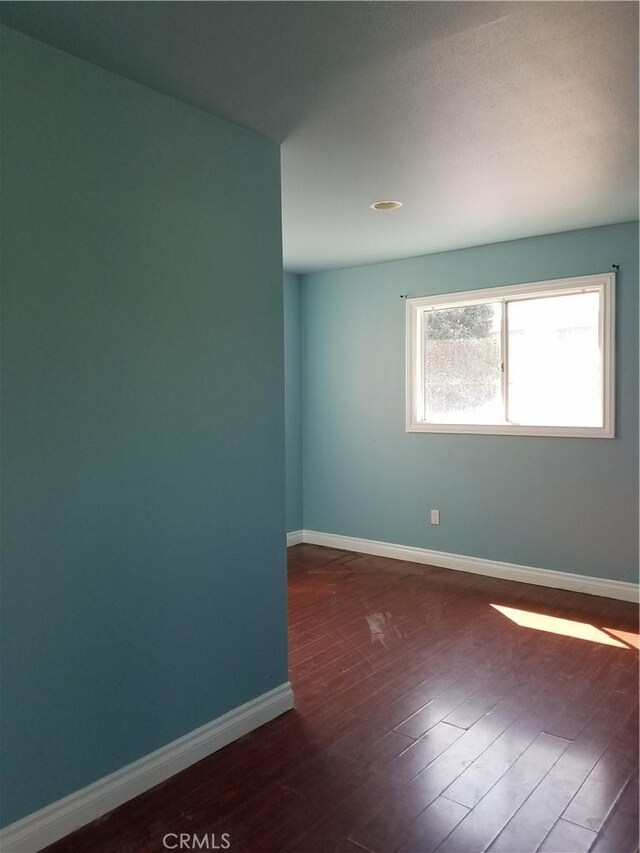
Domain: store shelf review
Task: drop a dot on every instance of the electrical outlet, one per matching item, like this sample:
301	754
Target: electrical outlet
435	516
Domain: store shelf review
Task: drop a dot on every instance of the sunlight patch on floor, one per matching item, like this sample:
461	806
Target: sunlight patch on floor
567	627
629	638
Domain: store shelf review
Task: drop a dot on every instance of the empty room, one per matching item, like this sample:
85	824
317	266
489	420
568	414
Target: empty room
319	446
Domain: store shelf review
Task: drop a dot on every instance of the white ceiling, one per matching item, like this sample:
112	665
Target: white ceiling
490	121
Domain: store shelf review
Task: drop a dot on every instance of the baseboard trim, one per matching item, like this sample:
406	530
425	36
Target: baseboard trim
294	538
53	822
621	590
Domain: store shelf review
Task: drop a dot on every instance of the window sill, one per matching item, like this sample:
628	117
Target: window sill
514	429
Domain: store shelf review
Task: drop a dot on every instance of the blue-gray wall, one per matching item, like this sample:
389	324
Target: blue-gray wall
293	399
143	501
556	503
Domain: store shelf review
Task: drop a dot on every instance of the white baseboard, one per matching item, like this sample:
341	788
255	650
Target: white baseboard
493	568
53	822
294	538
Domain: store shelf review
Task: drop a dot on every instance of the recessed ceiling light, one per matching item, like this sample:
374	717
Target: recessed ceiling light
385	205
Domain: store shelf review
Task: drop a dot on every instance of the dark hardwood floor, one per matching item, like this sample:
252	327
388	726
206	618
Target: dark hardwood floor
426	720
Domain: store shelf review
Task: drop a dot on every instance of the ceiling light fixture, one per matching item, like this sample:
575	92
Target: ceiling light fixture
385	205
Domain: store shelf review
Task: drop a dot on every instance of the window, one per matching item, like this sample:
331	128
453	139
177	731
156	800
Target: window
528	359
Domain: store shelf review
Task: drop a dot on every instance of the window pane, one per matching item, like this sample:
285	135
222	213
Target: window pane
462	365
554	361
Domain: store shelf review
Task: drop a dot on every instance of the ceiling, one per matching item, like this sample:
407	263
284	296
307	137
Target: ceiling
489	121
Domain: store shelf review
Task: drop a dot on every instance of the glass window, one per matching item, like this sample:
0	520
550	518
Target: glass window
531	359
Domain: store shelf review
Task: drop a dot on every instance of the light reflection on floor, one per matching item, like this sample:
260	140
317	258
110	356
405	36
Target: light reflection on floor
383	630
569	627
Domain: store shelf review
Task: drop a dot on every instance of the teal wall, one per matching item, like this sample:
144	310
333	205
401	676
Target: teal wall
143	505
556	503
293	398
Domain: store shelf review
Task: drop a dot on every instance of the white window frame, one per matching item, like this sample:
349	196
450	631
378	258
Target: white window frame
603	284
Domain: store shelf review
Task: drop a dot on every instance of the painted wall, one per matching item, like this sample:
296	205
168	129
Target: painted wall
143	502
556	503
293	398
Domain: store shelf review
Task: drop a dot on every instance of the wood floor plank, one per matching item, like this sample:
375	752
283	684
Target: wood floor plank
437	709
529	826
483	824
567	837
474	708
433	826
471	786
419	755
619	833
598	794
333	827
385	750
342	846
386	829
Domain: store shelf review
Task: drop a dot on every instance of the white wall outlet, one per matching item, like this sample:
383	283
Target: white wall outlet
435	516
